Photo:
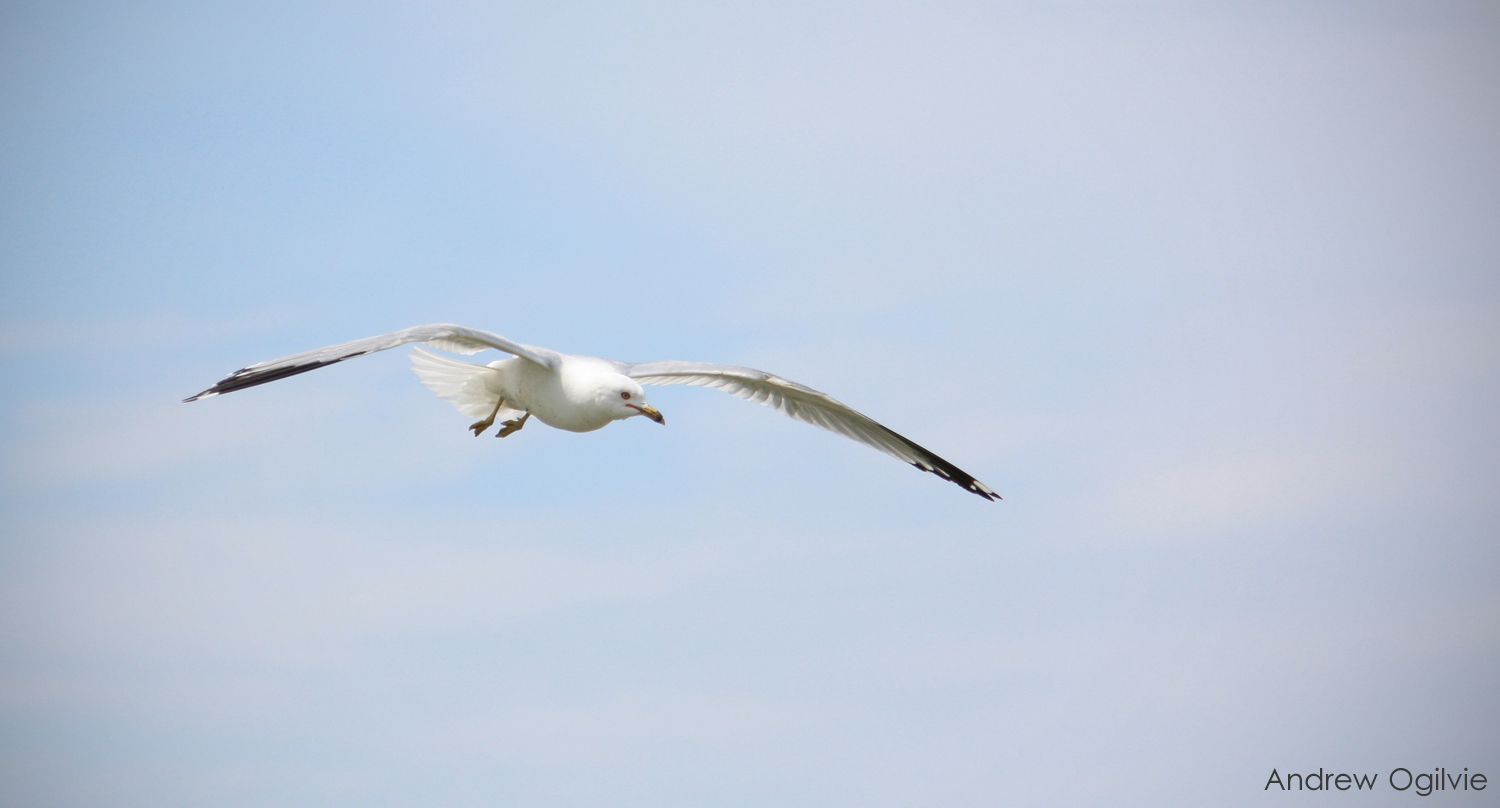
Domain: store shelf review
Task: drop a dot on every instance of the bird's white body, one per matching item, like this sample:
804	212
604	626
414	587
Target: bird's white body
579	394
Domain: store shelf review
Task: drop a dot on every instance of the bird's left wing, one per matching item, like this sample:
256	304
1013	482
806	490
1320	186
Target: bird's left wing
807	405
444	336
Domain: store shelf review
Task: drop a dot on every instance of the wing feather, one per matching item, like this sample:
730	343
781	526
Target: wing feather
806	405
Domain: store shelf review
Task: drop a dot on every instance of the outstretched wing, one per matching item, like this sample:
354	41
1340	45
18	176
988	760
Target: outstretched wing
444	336
807	405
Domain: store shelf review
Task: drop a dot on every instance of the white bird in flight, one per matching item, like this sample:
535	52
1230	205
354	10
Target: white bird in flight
585	393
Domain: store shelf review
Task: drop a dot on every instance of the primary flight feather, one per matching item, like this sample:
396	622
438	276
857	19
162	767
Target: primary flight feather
585	393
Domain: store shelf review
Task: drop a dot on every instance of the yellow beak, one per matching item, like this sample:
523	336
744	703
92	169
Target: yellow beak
650	412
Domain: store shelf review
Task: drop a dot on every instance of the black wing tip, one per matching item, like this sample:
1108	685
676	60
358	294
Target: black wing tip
984	493
959	478
249	377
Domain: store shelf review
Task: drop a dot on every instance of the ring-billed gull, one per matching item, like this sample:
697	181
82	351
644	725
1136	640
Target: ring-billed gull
585	393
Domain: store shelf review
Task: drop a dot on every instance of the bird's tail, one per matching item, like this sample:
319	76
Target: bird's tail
471	388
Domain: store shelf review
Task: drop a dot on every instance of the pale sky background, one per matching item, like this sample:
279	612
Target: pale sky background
1210	292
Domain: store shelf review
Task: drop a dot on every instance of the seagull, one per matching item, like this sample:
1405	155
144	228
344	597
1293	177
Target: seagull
585	393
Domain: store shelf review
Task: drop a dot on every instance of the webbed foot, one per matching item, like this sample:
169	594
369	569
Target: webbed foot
511	427
480	426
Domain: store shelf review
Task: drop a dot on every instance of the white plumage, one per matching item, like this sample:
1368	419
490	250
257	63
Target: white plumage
464	384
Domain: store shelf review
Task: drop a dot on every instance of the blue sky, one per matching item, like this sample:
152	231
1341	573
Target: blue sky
1207	292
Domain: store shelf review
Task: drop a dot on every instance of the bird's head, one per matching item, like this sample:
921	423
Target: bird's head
624	394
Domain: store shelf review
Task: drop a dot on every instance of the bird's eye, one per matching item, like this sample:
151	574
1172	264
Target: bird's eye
624	394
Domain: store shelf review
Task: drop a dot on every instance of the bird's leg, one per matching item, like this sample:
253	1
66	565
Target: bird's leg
480	426
512	426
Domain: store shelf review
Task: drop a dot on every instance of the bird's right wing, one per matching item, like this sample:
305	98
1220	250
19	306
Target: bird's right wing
444	336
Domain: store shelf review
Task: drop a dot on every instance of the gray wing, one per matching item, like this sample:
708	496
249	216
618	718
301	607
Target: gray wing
804	404
444	336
